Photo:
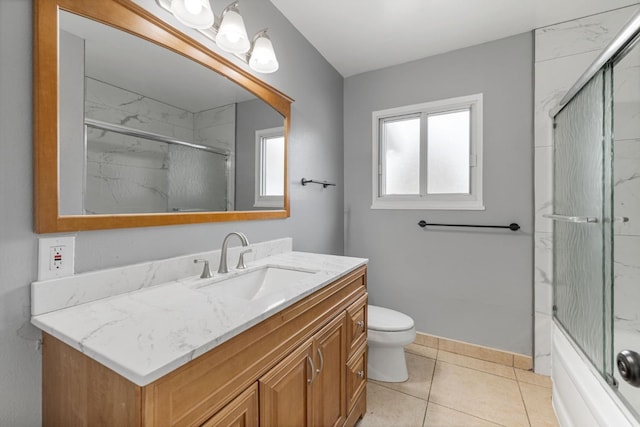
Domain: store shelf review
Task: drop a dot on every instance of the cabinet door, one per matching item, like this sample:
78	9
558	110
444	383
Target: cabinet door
285	390
356	376
329	402
240	412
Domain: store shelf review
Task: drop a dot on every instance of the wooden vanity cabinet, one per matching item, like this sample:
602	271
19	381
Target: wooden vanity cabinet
295	368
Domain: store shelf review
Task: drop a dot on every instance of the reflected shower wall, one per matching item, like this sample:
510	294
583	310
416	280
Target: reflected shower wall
125	174
133	174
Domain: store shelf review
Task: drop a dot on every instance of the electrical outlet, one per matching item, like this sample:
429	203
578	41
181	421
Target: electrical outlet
55	257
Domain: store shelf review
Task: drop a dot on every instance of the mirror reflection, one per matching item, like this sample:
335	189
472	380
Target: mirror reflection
146	130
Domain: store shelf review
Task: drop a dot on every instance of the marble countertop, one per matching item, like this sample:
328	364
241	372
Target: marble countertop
145	334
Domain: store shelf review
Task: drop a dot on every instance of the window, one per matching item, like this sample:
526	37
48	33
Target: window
429	156
270	168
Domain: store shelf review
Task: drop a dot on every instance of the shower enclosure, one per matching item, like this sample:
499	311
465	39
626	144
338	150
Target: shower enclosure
596	202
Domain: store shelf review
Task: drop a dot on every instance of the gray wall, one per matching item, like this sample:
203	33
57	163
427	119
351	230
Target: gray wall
470	285
316	150
251	116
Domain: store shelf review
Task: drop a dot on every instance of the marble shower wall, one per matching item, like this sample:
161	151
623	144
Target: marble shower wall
127	174
562	53
217	128
626	181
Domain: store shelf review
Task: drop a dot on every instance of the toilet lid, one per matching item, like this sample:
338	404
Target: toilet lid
384	319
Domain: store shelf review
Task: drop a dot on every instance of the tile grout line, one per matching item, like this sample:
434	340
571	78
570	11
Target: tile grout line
526	411
382	384
433	374
470	415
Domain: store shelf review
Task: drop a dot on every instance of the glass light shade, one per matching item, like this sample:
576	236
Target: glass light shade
263	58
232	34
182	10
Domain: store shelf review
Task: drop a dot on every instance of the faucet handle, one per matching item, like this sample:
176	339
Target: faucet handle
241	264
206	271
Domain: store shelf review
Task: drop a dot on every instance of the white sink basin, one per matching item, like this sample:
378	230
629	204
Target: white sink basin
257	283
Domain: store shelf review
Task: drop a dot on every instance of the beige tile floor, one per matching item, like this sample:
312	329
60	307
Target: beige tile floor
450	390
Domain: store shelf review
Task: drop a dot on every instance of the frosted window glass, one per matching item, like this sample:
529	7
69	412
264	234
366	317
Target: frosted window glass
274	166
401	148
448	151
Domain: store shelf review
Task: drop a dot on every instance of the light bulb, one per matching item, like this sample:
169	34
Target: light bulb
193	6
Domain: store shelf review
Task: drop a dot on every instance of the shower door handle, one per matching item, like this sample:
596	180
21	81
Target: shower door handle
629	367
577	219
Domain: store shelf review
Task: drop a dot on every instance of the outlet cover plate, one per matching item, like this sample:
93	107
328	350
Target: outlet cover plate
56	257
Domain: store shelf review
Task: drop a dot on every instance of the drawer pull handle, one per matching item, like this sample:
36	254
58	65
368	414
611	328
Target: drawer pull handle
360	374
313	369
360	324
321	362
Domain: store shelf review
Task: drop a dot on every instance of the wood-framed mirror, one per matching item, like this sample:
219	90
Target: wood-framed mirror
111	155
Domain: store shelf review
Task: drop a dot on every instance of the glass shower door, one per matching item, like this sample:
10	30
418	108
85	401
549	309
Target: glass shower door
580	238
626	226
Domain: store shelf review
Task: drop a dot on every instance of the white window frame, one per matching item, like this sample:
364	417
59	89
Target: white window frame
471	201
263	201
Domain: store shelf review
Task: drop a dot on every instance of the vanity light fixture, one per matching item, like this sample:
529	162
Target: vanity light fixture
227	31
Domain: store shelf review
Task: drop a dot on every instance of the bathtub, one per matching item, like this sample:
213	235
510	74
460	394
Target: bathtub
581	397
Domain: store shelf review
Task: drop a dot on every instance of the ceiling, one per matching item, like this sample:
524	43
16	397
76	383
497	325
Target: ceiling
362	35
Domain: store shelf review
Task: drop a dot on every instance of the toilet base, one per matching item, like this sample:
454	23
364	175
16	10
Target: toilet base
387	364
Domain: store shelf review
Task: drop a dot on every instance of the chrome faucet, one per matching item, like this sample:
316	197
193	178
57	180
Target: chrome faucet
223	254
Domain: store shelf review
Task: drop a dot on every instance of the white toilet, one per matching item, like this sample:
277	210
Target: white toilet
388	332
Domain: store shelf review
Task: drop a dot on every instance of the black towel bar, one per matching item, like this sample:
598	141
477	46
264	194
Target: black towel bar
513	226
324	184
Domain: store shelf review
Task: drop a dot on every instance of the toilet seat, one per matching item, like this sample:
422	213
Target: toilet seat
387	320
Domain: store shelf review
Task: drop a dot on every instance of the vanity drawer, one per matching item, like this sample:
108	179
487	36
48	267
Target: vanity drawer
357	324
356	376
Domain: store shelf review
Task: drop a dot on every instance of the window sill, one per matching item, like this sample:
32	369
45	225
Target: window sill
432	205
